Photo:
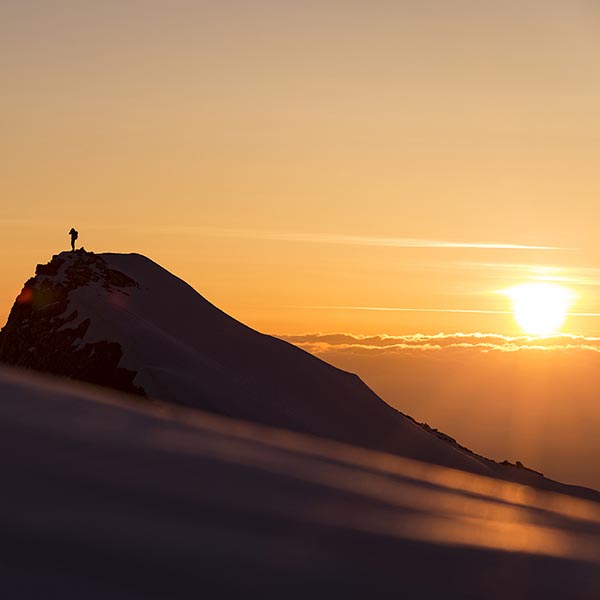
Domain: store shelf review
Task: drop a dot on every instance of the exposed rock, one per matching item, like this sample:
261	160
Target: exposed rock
42	334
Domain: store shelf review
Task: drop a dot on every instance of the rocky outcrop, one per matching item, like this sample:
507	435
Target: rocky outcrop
42	334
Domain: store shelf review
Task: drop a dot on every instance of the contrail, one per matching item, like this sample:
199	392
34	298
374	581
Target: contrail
428	310
327	238
403	309
389	242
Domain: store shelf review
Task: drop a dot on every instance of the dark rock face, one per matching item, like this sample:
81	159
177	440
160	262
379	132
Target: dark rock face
37	335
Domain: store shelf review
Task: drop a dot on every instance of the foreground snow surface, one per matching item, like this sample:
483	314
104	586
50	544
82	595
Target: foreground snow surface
107	497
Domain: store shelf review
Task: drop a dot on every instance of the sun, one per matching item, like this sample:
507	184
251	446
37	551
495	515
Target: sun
540	308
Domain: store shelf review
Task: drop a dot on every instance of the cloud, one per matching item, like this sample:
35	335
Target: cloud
575	275
405	309
337	239
319	343
428	310
361	240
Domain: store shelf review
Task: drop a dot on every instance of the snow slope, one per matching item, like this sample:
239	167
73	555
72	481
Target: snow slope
105	496
124	321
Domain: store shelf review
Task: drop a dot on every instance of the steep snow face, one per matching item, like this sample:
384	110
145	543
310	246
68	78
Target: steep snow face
125	322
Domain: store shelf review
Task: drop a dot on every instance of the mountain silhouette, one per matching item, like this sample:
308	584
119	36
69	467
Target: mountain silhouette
123	321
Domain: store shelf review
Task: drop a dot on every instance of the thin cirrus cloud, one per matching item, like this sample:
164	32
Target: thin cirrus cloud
404	309
326	238
426	310
337	239
584	276
360	240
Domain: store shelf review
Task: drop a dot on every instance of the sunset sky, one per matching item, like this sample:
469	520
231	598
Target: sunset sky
289	159
381	171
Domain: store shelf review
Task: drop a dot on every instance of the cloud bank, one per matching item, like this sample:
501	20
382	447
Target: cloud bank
483	342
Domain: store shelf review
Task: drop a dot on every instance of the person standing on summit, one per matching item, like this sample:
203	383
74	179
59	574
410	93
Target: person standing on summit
74	235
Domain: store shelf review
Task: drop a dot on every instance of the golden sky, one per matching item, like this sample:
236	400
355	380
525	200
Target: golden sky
291	158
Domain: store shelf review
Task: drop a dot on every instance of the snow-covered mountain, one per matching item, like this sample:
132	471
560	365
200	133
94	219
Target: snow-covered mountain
125	322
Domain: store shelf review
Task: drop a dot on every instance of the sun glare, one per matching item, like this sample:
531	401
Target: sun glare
540	308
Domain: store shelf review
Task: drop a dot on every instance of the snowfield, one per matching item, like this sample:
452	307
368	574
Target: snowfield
109	496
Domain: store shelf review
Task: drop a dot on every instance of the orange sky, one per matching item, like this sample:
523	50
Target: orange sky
282	156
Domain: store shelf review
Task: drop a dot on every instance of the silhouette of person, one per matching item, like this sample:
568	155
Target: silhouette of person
74	235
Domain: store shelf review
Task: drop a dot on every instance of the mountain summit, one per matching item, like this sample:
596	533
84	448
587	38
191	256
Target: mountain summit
122	321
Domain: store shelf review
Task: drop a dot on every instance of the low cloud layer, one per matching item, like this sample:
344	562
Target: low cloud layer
482	342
